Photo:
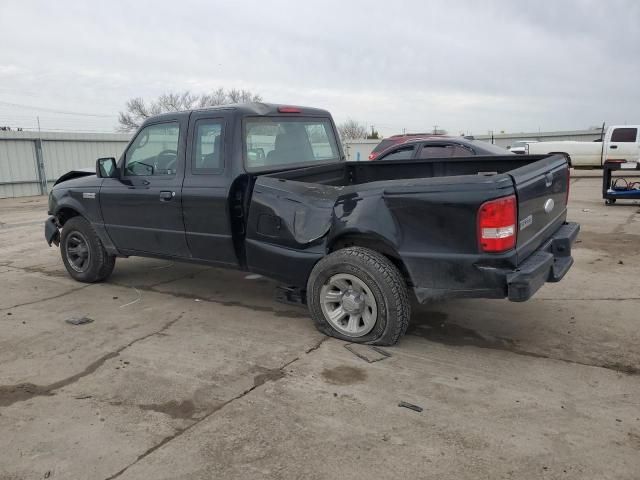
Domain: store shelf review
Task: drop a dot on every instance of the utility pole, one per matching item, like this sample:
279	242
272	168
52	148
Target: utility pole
435	129
42	174
372	130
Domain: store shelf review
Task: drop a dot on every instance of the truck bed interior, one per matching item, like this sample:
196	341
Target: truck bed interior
355	173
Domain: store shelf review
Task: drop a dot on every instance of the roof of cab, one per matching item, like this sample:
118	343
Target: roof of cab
248	109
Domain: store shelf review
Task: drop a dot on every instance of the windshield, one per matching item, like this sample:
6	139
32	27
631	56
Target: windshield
275	141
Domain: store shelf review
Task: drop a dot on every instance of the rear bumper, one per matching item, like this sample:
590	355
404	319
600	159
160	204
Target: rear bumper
462	276
547	264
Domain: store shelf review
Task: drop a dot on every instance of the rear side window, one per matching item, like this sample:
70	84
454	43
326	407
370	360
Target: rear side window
275	141
436	151
207	154
402	153
624	135
460	151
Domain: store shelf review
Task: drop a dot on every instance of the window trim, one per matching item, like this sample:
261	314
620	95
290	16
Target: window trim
153	124
208	171
397	148
289	166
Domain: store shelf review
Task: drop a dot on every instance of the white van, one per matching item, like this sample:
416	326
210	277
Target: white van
621	142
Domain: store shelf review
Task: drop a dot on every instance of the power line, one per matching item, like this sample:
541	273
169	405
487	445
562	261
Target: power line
51	110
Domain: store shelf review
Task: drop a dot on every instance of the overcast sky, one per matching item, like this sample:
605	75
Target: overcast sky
466	66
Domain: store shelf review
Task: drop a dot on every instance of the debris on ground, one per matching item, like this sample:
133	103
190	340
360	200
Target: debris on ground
586	210
620	262
78	320
410	406
368	353
134	301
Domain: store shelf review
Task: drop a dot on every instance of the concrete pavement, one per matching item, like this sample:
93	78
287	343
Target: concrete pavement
192	372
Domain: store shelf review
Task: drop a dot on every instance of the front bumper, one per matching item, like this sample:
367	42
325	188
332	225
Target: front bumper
547	264
51	231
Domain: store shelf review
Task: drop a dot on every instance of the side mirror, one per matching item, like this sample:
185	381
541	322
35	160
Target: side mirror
107	168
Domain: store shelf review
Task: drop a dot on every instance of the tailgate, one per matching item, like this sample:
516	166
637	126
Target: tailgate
541	188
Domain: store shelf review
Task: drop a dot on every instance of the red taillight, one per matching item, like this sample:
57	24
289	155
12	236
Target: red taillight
373	155
288	110
497	224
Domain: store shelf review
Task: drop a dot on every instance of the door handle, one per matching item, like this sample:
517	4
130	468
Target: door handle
613	147
166	196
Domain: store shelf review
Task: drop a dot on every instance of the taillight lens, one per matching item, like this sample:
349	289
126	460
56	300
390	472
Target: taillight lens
497	221
373	155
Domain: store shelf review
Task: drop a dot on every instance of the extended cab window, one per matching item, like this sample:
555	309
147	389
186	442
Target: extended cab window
273	141
624	135
154	151
207	155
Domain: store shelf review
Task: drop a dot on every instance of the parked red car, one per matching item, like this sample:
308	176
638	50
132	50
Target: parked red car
395	140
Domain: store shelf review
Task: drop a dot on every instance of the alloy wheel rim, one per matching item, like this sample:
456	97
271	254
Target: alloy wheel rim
348	305
78	253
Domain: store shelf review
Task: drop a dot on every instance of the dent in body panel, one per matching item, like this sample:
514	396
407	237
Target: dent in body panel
292	218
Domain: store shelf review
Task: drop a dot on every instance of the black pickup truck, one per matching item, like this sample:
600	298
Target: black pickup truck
266	189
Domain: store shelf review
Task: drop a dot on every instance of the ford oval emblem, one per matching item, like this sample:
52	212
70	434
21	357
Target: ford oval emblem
548	205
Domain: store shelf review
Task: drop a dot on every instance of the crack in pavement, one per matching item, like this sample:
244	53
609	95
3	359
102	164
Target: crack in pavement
271	376
60	295
10	394
507	345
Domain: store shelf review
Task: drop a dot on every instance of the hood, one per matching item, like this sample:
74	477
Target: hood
80	172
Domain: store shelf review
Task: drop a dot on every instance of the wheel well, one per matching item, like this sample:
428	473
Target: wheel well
375	244
64	214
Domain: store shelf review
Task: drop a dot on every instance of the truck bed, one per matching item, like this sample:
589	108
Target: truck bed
358	173
421	211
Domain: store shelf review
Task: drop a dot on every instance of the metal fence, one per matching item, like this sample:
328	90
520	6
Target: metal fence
30	161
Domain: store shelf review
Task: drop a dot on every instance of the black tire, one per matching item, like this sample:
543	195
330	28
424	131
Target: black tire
384	281
98	265
610	201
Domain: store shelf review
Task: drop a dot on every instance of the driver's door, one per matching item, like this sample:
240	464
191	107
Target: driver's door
142	210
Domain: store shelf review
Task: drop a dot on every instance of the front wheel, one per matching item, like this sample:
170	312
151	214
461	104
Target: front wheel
357	294
82	252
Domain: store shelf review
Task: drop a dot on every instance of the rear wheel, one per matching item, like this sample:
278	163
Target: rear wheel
82	251
610	201
358	295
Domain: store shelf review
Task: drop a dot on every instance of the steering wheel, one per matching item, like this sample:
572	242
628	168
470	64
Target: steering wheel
171	164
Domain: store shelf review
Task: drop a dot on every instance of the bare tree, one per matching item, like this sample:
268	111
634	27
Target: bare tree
137	110
352	130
